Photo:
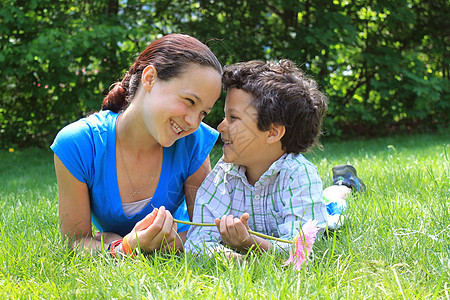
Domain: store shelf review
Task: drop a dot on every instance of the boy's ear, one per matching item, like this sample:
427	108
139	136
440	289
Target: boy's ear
149	76
275	133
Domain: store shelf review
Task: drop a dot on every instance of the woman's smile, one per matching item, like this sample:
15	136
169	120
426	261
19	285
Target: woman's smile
175	127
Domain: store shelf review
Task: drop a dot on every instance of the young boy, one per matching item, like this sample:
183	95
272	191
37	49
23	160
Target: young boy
272	113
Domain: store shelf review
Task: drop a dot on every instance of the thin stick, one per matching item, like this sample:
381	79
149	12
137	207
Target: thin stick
250	231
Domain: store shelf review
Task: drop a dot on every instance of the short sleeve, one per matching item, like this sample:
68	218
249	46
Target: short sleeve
211	202
75	148
201	143
302	201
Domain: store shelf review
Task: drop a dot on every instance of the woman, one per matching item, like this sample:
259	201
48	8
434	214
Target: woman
130	166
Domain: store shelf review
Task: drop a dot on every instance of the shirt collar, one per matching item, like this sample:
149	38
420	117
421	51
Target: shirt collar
235	170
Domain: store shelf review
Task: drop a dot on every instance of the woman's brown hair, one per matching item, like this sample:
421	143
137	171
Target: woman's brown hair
170	55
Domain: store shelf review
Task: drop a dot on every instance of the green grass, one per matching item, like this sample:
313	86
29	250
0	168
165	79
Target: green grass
395	244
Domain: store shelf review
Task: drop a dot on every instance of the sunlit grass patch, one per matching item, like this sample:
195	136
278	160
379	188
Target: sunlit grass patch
394	245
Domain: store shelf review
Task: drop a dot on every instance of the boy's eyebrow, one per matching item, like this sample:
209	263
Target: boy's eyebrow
198	99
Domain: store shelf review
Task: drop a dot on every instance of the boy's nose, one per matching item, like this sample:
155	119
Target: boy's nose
222	127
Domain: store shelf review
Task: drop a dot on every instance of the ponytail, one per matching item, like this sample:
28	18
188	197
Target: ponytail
115	101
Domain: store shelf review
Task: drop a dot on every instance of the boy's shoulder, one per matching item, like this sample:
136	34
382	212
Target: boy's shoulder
295	167
287	163
289	167
294	163
297	161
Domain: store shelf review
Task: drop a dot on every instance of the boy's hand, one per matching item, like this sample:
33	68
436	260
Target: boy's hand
234	231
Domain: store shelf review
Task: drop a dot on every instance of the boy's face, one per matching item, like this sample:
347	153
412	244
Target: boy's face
244	143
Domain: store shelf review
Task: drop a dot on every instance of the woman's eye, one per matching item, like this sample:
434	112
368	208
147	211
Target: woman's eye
190	101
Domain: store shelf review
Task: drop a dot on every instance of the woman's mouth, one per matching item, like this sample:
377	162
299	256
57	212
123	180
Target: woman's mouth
175	127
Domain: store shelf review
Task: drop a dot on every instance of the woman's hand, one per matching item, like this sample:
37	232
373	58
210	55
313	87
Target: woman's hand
155	231
107	237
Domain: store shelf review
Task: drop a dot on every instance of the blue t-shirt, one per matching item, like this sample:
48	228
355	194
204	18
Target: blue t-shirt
87	148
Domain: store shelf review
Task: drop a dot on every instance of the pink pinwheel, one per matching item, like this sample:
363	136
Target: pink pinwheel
303	243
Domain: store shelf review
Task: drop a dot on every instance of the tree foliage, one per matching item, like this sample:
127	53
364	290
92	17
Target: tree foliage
382	62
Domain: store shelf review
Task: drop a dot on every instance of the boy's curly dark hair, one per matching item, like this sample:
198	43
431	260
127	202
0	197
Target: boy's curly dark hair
283	95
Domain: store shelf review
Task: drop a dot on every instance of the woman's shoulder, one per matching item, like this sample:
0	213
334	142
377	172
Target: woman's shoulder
85	131
79	143
99	121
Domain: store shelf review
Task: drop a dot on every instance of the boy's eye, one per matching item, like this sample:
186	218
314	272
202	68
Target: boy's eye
231	118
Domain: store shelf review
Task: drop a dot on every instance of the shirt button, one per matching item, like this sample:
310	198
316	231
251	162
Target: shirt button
260	229
257	197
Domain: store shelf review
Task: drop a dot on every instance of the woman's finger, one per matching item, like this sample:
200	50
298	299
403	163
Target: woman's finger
147	221
158	223
166	233
151	225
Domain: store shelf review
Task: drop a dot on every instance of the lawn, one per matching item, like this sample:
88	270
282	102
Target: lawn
395	244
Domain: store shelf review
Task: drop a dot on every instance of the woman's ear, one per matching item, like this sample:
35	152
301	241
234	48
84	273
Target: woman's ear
275	133
149	76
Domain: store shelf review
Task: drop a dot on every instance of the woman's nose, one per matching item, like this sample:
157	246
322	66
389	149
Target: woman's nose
193	120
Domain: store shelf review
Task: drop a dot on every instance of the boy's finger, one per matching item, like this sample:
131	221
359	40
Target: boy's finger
217	221
241	230
234	225
244	220
230	224
223	228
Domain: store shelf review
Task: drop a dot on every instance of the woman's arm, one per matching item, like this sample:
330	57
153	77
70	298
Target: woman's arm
75	218
75	210
192	184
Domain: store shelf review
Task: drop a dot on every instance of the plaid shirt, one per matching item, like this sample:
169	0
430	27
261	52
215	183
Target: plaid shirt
288	194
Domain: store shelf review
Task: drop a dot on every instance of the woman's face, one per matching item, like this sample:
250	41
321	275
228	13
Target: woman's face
175	108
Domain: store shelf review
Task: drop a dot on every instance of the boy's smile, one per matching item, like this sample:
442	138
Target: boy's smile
238	129
244	143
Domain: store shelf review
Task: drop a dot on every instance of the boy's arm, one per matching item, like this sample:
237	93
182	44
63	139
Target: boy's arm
211	202
202	239
302	200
